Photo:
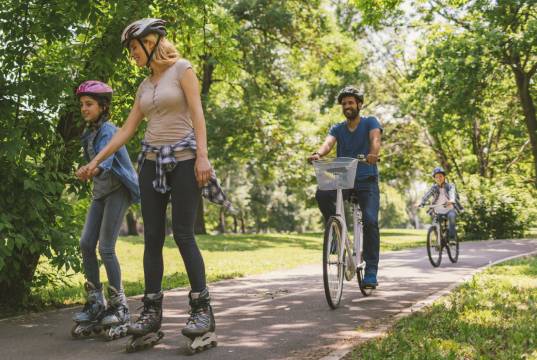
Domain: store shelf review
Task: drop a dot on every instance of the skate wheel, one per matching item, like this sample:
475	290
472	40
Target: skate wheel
131	346
75	333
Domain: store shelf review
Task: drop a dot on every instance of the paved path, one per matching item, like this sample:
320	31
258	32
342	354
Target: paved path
279	315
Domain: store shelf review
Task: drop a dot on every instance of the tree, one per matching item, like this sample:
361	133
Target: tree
48	51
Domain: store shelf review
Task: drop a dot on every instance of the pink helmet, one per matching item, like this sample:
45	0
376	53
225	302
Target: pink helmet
96	88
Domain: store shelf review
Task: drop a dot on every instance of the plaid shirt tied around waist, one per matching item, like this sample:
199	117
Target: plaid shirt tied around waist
166	162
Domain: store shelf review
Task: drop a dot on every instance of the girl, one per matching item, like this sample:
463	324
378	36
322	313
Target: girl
173	164
115	186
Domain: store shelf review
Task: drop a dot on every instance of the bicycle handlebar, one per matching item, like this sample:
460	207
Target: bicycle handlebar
438	205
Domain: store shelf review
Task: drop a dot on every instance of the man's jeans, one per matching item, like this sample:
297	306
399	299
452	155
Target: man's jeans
368	198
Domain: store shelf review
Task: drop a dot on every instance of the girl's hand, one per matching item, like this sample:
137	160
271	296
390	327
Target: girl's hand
202	169
88	171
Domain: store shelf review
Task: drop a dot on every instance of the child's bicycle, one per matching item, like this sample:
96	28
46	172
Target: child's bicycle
342	256
437	239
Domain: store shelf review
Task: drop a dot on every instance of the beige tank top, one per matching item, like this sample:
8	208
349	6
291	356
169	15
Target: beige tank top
165	106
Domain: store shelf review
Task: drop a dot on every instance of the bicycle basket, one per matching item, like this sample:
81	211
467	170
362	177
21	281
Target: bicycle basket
338	173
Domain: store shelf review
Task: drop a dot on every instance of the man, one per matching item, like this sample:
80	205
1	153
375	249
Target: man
357	135
444	193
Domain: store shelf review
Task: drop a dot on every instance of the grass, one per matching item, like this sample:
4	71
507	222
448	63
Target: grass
531	234
226	256
491	317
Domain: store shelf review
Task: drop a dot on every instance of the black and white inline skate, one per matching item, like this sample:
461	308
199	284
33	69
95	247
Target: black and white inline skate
116	319
146	330
200	327
88	321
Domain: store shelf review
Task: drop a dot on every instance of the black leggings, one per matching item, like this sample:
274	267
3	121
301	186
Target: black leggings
185	198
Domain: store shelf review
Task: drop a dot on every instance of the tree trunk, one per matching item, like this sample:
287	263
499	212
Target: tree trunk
15	293
207	80
243	228
477	146
131	224
221	221
528	107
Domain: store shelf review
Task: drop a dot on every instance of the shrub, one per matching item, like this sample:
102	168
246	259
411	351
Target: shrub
499	209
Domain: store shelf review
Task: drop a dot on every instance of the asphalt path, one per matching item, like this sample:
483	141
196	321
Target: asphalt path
278	315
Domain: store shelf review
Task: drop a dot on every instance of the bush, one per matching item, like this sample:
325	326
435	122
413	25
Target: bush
499	209
40	222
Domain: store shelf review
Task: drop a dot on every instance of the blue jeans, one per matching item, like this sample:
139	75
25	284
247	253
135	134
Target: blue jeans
103	222
452	219
369	201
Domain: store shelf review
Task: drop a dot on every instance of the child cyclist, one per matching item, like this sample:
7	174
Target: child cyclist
445	200
115	187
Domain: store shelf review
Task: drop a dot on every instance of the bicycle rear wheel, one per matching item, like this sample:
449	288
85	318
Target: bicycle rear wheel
453	249
434	251
333	262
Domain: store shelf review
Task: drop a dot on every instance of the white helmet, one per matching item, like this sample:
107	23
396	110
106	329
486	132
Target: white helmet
141	28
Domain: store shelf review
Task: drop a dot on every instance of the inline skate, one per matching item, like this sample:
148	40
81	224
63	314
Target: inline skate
200	326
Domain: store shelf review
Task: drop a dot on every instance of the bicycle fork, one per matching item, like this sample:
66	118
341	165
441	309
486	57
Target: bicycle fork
438	236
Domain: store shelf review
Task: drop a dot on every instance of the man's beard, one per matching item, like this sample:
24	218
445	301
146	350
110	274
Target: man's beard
351	114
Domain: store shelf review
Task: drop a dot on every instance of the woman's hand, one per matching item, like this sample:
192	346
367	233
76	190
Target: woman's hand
202	169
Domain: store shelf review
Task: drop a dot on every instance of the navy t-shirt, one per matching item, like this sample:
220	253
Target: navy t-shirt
352	144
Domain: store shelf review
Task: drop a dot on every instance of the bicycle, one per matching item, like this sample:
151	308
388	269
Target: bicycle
342	256
437	239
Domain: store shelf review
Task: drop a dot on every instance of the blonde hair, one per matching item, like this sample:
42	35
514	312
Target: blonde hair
166	54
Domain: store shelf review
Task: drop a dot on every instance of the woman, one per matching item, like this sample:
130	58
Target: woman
115	186
173	163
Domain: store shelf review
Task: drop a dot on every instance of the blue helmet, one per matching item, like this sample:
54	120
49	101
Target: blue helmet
438	170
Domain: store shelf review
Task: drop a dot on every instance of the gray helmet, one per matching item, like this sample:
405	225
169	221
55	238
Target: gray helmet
141	28
438	170
350	90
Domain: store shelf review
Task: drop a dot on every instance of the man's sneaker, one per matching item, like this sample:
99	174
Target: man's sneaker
370	281
452	240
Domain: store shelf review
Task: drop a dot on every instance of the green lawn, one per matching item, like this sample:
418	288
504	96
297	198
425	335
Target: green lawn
494	316
226	256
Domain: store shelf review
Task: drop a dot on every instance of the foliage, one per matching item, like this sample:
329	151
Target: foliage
392	208
497	209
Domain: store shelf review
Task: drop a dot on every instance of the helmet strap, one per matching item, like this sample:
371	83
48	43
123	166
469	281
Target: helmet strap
150	56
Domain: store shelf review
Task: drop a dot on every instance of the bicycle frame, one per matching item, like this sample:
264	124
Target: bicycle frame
353	260
436	223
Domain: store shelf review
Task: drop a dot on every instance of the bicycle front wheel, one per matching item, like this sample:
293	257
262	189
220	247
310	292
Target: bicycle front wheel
453	249
434	249
333	261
